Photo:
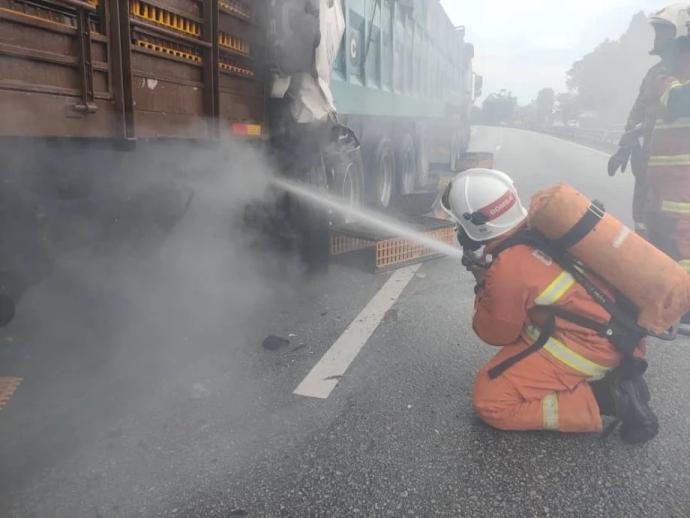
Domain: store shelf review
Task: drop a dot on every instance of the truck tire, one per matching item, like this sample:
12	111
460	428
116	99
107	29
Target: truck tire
381	165
406	161
455	153
422	160
458	146
346	175
7	310
311	224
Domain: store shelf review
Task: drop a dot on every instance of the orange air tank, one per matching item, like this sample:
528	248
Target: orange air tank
655	283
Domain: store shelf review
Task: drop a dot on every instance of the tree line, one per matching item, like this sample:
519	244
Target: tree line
601	87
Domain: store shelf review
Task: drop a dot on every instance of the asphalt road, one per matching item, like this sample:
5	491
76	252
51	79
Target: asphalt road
147	391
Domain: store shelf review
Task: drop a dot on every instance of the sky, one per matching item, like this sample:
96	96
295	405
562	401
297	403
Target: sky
531	44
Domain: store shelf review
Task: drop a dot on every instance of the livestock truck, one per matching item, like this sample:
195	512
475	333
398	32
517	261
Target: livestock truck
358	97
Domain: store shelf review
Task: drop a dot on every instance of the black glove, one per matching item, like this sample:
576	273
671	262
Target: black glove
619	160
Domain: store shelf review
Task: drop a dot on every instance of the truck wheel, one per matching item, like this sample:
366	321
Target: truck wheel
458	146
347	178
7	310
422	160
311	223
406	160
381	166
454	164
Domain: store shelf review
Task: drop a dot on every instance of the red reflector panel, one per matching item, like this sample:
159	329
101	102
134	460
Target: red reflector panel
248	130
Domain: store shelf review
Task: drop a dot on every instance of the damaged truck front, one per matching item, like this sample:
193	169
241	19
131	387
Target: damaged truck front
367	97
102	99
308	141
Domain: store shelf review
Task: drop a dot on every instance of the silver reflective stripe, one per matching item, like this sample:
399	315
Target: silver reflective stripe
668	160
549	406
555	290
681	122
565	355
675	206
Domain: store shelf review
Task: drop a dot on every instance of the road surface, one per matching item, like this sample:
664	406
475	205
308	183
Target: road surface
146	391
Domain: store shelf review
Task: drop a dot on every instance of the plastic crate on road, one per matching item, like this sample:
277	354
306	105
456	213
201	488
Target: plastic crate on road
383	252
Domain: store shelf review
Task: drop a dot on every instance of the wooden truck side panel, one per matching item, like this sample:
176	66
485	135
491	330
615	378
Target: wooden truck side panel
129	69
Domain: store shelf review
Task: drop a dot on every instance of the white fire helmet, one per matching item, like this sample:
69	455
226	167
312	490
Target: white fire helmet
676	16
484	202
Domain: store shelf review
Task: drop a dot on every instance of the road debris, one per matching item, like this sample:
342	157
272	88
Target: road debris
273	343
391	315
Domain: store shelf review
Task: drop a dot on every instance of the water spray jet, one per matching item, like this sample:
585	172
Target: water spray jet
369	218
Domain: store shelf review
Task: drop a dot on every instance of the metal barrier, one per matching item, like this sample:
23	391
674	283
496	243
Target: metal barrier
602	138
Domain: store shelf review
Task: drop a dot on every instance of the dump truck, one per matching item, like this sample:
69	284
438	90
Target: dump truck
357	97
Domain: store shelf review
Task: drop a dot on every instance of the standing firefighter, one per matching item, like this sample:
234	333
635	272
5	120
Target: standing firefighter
556	369
668	173
641	121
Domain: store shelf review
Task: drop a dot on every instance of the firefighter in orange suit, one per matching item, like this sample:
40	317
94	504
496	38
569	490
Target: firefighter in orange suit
554	388
668	172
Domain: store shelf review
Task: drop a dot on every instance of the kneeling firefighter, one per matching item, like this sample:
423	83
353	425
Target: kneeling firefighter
571	347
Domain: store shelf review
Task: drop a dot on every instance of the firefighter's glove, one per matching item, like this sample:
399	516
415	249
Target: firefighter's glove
619	160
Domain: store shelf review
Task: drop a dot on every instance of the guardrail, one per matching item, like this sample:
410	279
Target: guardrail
605	139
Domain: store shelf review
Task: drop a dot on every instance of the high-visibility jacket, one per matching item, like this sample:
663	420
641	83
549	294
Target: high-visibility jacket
668	172
520	280
548	390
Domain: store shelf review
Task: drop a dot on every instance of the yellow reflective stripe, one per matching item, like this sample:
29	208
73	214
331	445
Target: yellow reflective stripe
549	406
685	263
666	160
667	93
566	355
682	122
675	206
555	290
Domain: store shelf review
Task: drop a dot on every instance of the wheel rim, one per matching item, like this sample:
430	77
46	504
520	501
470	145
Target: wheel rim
384	184
350	190
408	173
423	165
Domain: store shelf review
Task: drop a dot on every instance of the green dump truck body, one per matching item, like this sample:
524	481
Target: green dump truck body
401	59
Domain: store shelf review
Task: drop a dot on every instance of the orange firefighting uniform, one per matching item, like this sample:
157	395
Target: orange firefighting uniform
668	172
549	389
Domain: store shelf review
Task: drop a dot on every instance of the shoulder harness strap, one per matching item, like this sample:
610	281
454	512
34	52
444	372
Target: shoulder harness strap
622	331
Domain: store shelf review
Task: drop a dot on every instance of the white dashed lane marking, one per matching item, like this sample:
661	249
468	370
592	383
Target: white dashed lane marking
324	377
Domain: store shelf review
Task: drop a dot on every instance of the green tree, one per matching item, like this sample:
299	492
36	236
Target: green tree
545	104
606	80
499	107
567	107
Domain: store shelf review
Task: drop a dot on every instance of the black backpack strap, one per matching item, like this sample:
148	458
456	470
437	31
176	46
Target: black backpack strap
546	333
622	331
601	328
524	237
595	213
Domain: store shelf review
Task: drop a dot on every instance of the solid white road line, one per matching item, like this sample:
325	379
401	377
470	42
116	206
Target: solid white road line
323	378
